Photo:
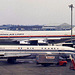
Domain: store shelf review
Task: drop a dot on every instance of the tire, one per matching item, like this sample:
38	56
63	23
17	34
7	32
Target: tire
64	64
11	60
45	64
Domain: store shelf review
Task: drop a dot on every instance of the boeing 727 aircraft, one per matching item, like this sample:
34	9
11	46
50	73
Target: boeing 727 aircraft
12	52
25	37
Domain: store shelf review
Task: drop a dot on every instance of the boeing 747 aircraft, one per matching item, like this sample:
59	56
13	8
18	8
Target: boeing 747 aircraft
25	37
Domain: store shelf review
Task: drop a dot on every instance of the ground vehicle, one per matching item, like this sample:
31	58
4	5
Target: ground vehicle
48	59
63	62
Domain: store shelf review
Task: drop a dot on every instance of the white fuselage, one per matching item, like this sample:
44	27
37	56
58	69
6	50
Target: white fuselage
35	35
21	49
27	34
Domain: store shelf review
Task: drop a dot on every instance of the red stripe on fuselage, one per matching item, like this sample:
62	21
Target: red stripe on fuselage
39	36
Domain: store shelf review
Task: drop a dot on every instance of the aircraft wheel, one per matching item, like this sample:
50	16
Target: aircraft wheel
45	64
11	60
64	64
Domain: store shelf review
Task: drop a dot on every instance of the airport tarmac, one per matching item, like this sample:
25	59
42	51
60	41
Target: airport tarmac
28	67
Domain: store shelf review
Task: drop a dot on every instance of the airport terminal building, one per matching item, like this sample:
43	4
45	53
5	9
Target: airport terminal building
63	26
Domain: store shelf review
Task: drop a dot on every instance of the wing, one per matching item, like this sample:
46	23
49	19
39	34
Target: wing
43	40
17	55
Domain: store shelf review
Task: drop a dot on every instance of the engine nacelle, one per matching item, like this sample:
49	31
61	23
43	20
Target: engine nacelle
25	42
42	41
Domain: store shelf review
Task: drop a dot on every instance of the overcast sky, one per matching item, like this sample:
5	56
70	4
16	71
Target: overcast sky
30	12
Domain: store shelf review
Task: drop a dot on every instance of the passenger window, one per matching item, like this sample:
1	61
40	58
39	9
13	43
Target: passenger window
54	48
32	48
51	48
41	48
27	48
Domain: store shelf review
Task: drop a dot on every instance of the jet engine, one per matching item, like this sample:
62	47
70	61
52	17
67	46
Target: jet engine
42	42
25	42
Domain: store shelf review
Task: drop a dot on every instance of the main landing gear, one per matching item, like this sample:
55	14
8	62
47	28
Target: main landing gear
11	60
